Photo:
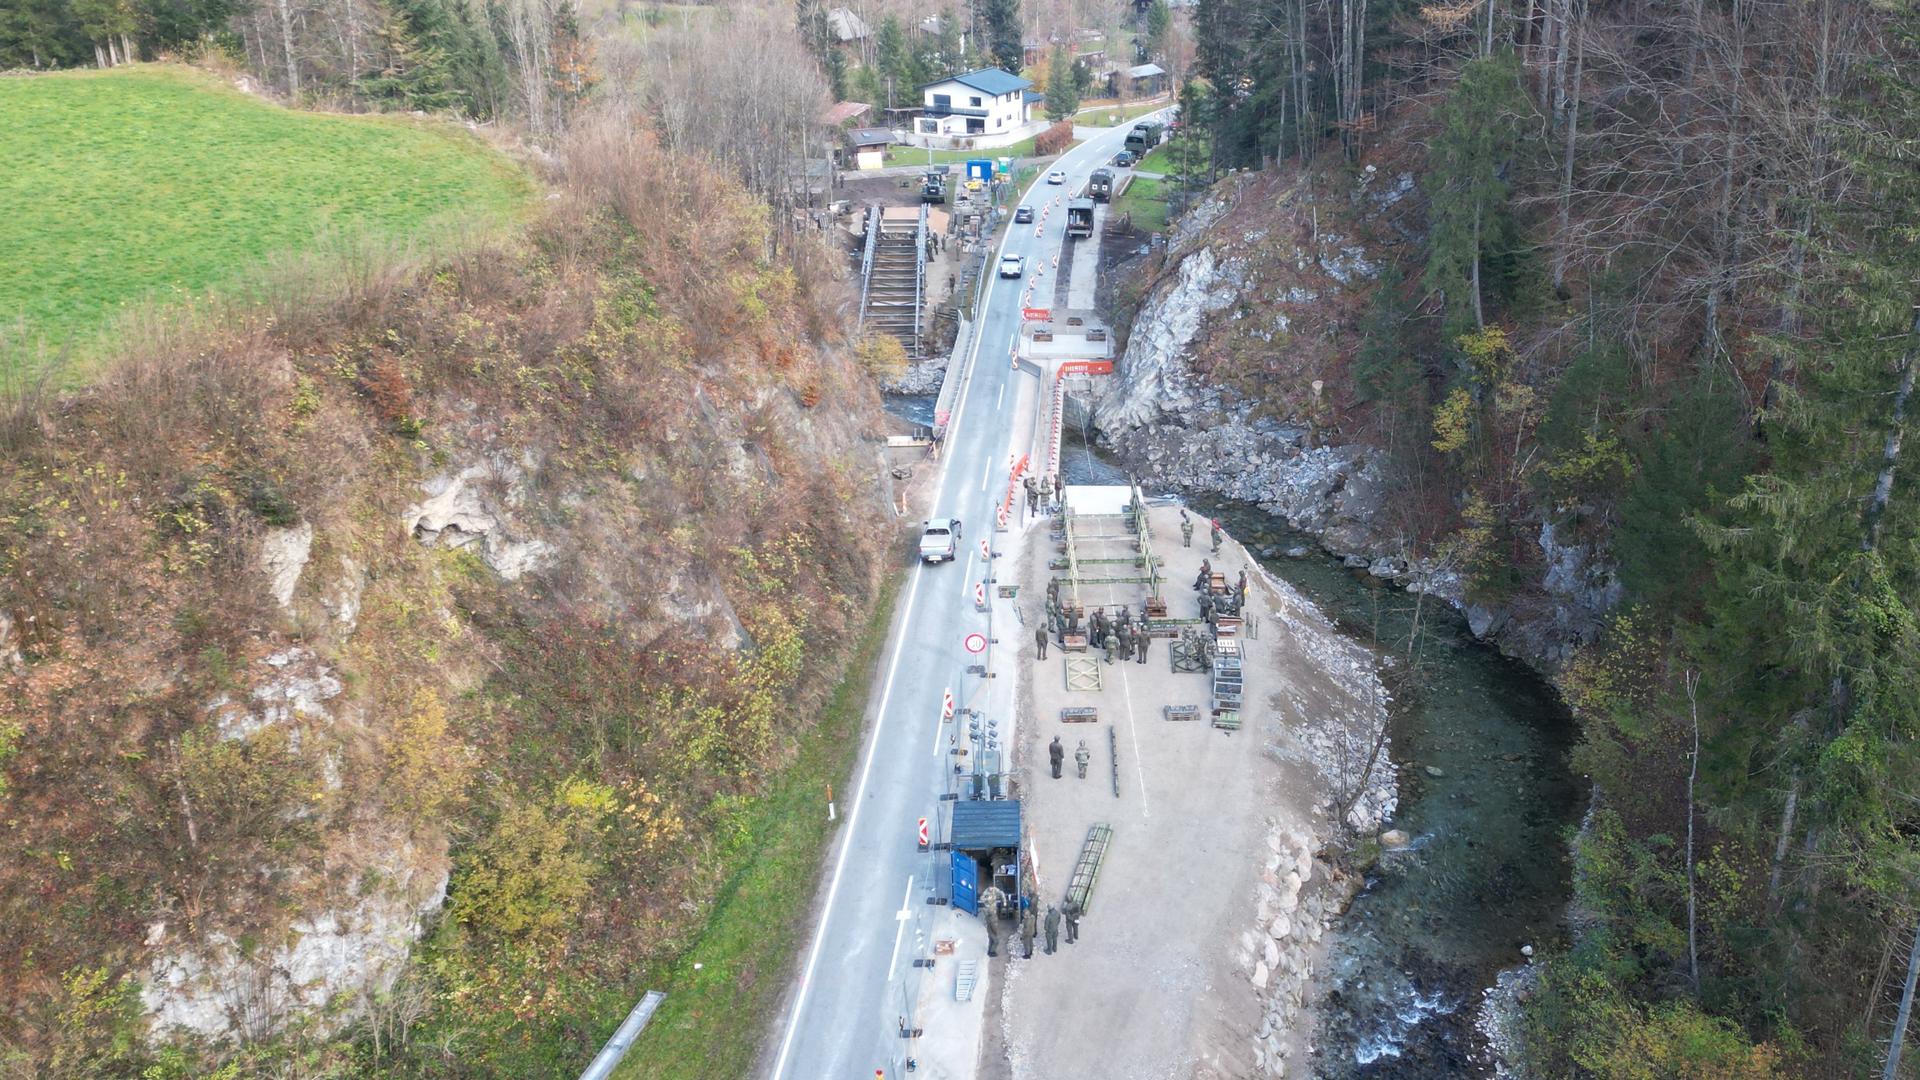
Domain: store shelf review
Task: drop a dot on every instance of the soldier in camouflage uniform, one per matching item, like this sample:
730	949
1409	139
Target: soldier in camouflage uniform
1186	530
1140	645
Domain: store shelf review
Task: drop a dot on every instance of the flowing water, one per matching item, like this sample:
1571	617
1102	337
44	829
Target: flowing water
1486	795
913	408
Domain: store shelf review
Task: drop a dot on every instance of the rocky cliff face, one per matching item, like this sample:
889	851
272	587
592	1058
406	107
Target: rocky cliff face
1248	287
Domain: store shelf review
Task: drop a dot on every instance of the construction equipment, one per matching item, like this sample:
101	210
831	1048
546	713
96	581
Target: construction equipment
1080	217
933	189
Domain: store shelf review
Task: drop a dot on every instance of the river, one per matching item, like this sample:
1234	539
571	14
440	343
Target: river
1486	793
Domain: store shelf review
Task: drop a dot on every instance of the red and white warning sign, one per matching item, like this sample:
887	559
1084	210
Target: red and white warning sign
985	551
976	643
980	595
923	832
946	704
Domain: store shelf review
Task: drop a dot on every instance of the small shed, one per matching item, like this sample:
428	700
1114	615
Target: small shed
1147	79
867	146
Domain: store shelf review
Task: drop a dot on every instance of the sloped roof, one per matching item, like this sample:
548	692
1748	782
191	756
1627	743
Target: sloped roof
986	80
1146	71
870	136
985	823
1033	96
847	26
844	111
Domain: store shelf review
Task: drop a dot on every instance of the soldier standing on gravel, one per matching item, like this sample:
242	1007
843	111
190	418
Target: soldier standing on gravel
1053	929
1140	645
1111	644
1040	642
1080	757
1186	530
1055	755
1217	536
1072	912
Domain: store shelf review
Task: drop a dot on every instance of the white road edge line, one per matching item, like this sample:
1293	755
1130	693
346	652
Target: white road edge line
886	693
900	927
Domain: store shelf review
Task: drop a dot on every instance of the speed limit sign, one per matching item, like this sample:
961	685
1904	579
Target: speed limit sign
976	643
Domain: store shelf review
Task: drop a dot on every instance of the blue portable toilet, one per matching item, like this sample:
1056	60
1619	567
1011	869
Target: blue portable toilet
979	169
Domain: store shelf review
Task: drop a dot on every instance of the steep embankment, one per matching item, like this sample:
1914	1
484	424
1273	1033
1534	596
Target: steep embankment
159	181
1238	380
479	599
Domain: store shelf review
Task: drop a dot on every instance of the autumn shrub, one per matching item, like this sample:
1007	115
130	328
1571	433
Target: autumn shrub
1054	140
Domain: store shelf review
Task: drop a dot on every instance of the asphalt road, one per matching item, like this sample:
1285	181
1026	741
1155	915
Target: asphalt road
842	1017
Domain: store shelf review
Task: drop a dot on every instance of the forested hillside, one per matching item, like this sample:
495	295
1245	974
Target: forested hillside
394	677
1658	292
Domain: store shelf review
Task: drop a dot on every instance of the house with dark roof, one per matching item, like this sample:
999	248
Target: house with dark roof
985	102
867	147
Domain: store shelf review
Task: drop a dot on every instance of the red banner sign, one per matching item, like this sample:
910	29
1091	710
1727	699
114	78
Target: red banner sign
1037	314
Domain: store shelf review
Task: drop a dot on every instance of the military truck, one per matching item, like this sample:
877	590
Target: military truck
1080	217
1100	185
1145	136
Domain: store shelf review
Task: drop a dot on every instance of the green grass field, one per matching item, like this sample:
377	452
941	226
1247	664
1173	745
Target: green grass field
910	155
161	181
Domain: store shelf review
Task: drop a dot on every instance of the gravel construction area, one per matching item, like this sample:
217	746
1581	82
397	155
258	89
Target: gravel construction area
1207	917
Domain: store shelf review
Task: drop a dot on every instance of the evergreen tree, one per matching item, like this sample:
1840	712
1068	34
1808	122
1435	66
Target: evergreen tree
1063	95
949	47
1470	219
40	34
1159	19
894	60
1000	32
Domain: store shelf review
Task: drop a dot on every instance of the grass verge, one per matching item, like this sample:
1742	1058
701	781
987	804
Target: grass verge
1145	202
1111	115
712	1022
908	155
160	182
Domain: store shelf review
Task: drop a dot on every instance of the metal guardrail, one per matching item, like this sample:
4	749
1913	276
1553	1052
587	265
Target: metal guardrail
866	261
955	379
919	280
622	1041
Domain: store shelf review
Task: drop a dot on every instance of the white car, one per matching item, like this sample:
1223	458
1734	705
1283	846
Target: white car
939	540
1056	177
1013	266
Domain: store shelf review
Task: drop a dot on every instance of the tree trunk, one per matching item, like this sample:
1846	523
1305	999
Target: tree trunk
1896	432
1693	774
100	56
1572	129
1479	315
1786	837
1560	63
127	55
285	10
1898	1041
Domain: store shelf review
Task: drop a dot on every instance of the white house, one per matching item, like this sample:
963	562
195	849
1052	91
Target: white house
986	102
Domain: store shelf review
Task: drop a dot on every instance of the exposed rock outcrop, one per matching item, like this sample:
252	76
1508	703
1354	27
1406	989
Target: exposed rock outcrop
1176	426
475	506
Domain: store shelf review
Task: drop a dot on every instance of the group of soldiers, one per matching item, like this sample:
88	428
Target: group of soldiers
1039	491
1186	531
993	900
1212	604
1124	635
1057	753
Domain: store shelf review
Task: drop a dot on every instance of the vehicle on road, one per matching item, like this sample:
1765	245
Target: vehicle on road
1100	185
1023	216
933	188
1080	217
1056	177
1145	136
1013	265
1123	159
939	540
